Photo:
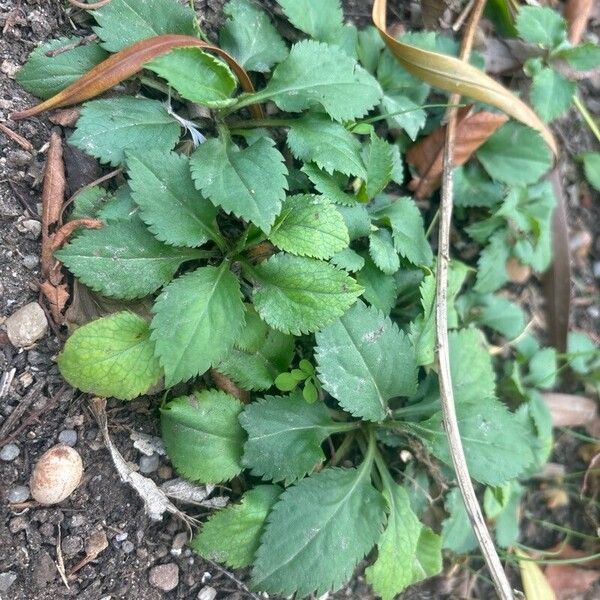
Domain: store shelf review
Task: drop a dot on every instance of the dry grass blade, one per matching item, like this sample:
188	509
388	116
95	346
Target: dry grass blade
128	62
427	156
90	6
577	14
568	410
455	76
557	279
536	586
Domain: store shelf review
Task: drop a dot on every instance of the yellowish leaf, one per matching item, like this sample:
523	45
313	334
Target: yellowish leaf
535	584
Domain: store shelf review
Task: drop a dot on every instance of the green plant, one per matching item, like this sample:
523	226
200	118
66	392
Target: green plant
262	241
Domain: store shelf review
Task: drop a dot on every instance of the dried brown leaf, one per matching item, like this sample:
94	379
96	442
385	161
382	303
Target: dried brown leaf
569	581
66	231
57	297
568	410
455	76
66	117
577	14
427	155
15	137
227	385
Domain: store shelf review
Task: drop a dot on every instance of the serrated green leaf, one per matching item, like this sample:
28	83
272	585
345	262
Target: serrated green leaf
299	295
428	558
123	259
341	87
328	185
310	226
591	167
457	532
408	231
364	360
120	207
507	522
500	314
541	25
491	272
542	369
382	251
202	435
349	260
121	23
381	290
232	535
515	154
250	37
403	113
315	137
551	94
44	76
379	161
320	20
250	183
370	46
496	443
584	57
196	75
285	434
583	354
196	320
336	512
107	128
260	354
112	356
88	202
172	208
472	187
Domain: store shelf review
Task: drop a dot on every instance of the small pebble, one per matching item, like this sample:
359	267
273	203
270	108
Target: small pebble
121	537
77	521
164	577
9	452
26	325
31	228
165	472
30	261
127	547
17	493
207	593
149	464
179	541
68	437
18	158
72	545
6	580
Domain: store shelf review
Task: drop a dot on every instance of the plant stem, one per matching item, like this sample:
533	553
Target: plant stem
450	421
266	122
418	409
343	449
587	117
435	219
408	110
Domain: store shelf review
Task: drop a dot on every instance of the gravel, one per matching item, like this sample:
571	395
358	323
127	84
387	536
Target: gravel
26	325
149	464
207	593
6	580
68	437
164	577
17	493
127	547
71	545
9	452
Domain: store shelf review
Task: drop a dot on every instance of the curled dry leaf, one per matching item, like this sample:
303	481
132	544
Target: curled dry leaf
577	14
427	155
568	410
192	493
128	62
66	117
455	76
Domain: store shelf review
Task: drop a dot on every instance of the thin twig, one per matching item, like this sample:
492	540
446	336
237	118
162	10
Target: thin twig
90	6
241	585
16	138
457	453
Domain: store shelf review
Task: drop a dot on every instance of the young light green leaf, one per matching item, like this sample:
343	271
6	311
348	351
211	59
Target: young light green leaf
496	443
472	187
320	20
507	522
197	318
285	434
123	259
250	37
88	202
202	435
369	49
121	23
232	535
310	226
328	185
341	87
551	94
315	137
250	183
403	113
408	231
541	25
382	251
542	369
175	212
491	272
336	512
584	57
112	356
515	154
364	360
381	290
49	69
428	558
299	295
107	128
457	532
379	161
260	354
500	314
196	75
591	167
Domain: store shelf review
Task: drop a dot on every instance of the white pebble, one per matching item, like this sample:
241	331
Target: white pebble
9	452
27	325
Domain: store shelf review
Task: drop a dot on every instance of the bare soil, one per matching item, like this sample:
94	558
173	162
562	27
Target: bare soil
32	537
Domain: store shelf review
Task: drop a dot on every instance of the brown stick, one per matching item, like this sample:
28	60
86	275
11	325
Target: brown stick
450	420
16	138
90	6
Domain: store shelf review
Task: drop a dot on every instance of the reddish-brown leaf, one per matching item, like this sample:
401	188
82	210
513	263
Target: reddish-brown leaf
568	410
57	297
128	62
577	14
569	581
227	385
66	231
15	137
427	155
